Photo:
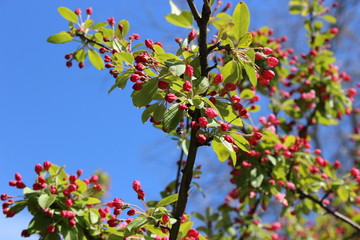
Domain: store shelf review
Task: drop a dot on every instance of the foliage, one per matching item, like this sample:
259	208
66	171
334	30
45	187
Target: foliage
199	104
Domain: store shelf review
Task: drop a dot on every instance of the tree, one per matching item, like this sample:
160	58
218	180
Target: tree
205	95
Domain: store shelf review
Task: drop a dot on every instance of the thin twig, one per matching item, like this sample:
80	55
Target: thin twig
336	214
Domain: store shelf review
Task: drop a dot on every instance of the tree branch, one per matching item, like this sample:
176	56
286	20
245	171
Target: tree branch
194	11
186	179
336	214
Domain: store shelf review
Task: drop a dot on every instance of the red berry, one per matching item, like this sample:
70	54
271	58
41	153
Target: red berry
138	85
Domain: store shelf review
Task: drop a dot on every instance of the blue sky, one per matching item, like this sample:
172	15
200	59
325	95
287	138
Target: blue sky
50	112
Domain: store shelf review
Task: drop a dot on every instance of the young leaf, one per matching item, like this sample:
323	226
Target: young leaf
241	19
126	57
250	72
245	40
45	200
168	200
95	59
172	117
144	96
68	14
185	19
241	142
61	37
220	150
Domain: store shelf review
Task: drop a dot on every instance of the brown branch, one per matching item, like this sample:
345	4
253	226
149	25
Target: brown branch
89	40
334	213
186	179
194	11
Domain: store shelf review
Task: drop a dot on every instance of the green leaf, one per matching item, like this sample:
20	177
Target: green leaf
184	19
229	114
343	193
241	142
257	178
159	112
225	29
95	59
144	96
250	72
245	40
147	113
247	94
126	57
185	227
68	14
61	37
172	117
329	18
99	25
220	150
241	19
230	72
168	200
88	23
45	200
296	9
136	224
80	55
201	85
81	186
90	200
121	81
177	68
125	29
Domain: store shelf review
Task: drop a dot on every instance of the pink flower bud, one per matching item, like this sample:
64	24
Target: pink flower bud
211	113
111	21
38	168
149	44
192	35
47	165
94	179
189	70
201	138
170	97
89	11
50	229
267	51
163	85
131	212
229	139
18	177
218	78
77	11
202	121
187	86
272	61
136	185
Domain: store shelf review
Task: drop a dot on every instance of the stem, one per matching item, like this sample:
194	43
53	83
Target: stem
336	214
180	206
